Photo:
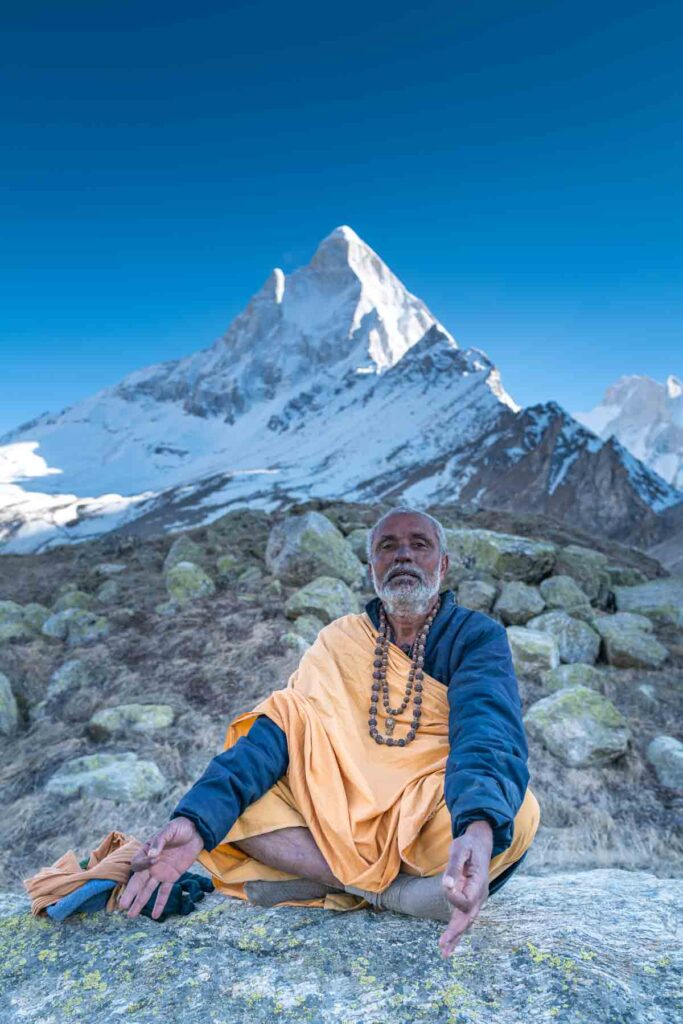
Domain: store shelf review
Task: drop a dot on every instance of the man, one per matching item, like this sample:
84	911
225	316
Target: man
315	801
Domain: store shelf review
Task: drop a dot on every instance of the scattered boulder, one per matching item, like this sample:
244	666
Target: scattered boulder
73	599
119	777
70	676
626	620
326	597
109	568
563	593
296	642
76	626
227	566
576	674
533	651
665	754
579	726
35	615
308	627
575	639
250	578
109	592
518	602
306	546
13	625
647	696
9	711
625	576
186	582
587	567
130	718
503	555
183	550
628	644
661	600
477	595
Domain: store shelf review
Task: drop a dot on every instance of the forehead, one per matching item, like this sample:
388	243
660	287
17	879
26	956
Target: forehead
405	524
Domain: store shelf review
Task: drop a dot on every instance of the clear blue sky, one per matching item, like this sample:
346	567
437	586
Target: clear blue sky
517	164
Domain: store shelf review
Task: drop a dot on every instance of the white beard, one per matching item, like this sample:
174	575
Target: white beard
402	598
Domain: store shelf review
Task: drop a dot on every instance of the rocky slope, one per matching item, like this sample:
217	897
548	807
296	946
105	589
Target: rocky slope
123	659
334	380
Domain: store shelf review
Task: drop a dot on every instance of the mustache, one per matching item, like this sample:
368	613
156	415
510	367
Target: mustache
398	571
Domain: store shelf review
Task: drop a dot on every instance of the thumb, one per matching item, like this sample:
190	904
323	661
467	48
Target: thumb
158	842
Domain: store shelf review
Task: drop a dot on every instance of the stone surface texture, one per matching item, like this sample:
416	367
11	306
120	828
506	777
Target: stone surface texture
597	947
579	726
576	640
518	602
501	554
533	651
303	547
119	777
326	597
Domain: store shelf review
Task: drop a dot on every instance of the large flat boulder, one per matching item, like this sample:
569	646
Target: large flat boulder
579	726
502	555
301	548
594	947
120	777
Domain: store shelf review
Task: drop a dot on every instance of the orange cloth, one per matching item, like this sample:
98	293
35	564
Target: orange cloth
111	859
373	810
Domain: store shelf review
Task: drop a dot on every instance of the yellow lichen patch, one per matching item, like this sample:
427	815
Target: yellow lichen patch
48	954
563	963
93	981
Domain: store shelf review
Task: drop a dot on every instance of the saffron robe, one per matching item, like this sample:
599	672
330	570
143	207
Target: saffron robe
373	810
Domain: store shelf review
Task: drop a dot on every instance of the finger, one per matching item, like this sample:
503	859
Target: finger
135	883
456	928
142	896
162	899
456	864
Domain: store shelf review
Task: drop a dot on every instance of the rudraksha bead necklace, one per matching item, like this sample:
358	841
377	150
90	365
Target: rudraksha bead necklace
379	682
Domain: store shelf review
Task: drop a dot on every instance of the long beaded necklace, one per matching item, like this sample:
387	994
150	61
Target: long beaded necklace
379	682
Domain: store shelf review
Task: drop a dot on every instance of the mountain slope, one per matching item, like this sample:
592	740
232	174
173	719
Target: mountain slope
647	418
335	380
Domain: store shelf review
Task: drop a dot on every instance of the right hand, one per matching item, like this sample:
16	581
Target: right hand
160	862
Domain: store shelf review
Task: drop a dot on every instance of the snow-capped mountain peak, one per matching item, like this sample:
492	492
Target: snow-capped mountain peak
335	379
647	418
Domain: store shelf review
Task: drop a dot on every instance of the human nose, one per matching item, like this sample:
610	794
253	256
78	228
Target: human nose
403	553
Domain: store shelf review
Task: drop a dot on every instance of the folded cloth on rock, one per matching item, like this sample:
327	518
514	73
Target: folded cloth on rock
89	898
110	861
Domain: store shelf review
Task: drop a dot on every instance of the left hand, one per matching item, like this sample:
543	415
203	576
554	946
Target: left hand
466	881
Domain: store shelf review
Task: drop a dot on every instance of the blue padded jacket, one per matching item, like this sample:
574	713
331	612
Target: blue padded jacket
486	770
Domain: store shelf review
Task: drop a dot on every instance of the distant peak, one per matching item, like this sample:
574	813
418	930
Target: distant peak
674	388
342	245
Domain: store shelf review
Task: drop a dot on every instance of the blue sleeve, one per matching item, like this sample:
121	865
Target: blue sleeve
486	770
235	779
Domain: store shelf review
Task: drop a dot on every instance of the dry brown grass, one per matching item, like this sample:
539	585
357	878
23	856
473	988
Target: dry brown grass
221	657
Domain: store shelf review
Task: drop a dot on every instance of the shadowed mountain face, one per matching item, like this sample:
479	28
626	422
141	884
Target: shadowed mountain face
335	380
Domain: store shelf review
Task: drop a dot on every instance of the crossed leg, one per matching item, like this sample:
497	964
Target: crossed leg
293	850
